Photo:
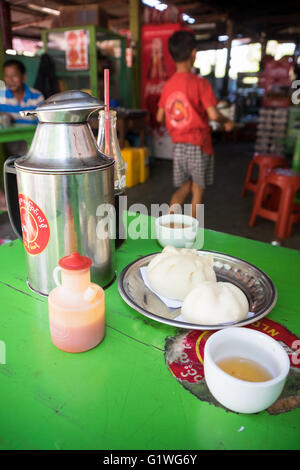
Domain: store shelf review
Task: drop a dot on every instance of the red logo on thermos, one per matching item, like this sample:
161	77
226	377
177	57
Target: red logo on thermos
35	226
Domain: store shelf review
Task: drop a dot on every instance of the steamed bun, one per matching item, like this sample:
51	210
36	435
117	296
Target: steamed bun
211	303
175	272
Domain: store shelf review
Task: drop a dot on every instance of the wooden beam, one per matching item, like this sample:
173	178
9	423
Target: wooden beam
210	18
229	31
194	5
27	10
120	20
112	3
34	35
203	26
203	5
25	23
292	18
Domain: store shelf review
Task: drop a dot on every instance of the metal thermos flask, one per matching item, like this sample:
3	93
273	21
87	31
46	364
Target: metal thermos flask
65	187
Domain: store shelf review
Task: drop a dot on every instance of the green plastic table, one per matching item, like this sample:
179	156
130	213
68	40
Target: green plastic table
18	132
121	395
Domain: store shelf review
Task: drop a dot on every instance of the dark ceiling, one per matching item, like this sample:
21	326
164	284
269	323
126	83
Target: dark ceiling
249	18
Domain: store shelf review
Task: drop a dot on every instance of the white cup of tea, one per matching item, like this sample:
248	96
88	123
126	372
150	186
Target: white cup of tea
245	351
178	230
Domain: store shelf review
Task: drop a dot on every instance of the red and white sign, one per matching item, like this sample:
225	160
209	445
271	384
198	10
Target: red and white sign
35	226
158	65
77	54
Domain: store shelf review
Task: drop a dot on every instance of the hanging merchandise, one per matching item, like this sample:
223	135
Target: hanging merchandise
271	130
276	79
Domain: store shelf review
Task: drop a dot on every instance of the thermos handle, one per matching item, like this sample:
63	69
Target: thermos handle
55	275
11	194
28	113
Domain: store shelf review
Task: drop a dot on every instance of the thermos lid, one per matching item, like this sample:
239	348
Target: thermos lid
69	106
75	262
64	142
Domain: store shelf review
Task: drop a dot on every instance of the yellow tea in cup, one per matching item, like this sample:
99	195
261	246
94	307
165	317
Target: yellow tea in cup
176	225
244	369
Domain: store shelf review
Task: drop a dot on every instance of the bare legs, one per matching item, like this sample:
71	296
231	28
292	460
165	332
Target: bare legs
183	191
197	197
2	201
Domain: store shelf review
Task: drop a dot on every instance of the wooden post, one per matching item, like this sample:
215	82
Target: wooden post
5	32
5	24
1	57
135	28
229	31
263	43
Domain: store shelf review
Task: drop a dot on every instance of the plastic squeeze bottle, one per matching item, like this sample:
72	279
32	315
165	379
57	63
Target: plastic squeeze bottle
76	306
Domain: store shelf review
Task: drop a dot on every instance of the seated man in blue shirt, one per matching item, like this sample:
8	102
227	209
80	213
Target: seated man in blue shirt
16	97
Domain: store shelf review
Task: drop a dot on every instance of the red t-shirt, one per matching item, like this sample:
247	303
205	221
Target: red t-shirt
185	98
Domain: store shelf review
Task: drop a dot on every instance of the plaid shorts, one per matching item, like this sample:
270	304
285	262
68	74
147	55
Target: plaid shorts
190	163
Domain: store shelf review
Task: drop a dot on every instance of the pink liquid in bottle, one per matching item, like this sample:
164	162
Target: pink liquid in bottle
76	307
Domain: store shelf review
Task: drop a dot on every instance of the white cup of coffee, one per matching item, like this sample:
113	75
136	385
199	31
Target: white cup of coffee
178	230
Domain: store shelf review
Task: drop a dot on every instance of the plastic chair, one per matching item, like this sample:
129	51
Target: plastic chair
264	163
286	183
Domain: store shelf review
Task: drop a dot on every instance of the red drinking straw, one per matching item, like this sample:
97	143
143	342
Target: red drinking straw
107	113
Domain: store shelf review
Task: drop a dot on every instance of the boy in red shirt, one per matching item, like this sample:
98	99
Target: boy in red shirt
187	103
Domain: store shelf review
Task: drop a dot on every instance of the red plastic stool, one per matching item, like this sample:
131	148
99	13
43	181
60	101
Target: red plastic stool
287	213
264	163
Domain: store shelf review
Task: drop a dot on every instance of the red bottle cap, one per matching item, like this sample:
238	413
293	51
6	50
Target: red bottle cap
75	261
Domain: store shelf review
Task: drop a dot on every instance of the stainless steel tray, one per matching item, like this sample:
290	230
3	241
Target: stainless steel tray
257	286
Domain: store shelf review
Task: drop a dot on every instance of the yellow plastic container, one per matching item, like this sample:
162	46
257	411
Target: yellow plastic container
144	163
131	157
